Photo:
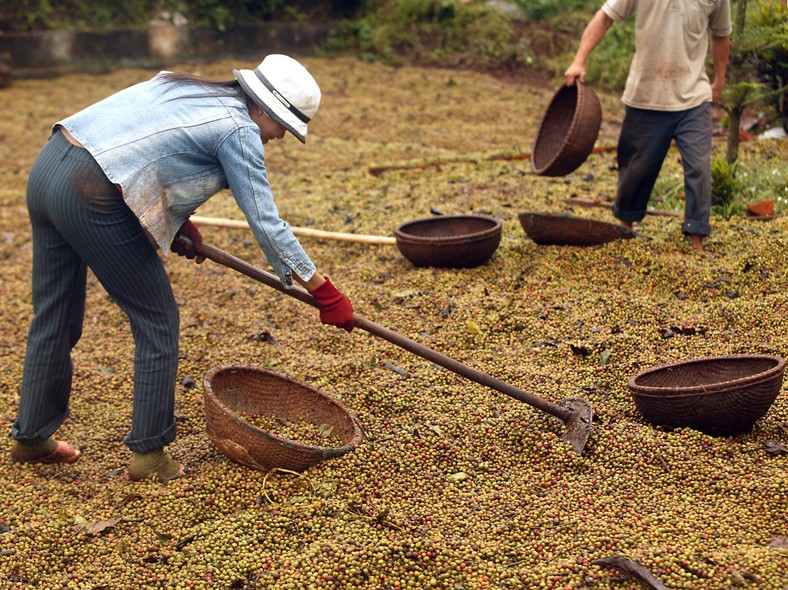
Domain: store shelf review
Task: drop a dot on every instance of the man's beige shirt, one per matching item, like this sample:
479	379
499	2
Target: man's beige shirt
668	71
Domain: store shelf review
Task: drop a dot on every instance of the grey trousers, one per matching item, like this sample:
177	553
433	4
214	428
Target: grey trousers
79	220
642	147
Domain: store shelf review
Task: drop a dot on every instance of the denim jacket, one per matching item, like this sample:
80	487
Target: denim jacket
171	146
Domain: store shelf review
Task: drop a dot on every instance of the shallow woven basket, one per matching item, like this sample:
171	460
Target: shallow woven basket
565	230
449	241
720	395
567	132
233	389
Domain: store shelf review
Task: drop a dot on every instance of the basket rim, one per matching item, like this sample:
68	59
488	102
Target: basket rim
324	451
648	391
401	234
570	134
529	222
527	215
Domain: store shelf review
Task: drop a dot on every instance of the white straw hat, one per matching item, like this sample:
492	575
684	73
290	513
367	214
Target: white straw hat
284	90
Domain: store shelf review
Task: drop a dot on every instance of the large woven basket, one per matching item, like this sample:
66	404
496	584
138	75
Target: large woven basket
565	230
719	395
567	132
449	241
251	390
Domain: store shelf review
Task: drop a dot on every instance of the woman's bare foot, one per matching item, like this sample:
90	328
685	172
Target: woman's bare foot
154	464
50	451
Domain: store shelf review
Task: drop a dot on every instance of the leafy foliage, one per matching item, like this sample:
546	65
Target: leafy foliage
540	10
608	65
756	74
437	32
734	186
766	40
27	15
724	187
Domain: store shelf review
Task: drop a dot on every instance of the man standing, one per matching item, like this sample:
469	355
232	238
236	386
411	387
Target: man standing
668	97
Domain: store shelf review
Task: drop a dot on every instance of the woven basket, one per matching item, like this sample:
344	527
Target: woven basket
567	132
251	390
565	230
449	241
720	395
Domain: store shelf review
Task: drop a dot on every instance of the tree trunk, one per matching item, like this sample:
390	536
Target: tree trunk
735	111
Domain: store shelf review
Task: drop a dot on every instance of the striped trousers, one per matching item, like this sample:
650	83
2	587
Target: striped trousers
79	220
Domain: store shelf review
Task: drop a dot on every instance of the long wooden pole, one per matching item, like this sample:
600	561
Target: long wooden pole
299	231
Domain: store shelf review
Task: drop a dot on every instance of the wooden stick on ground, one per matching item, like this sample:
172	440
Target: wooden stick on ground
469	158
299	231
594	203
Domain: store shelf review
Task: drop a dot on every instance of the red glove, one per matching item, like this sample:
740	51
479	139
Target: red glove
191	247
335	308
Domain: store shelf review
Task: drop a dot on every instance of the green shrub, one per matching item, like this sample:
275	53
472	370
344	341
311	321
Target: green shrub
434	32
724	187
608	65
734	186
426	11
28	15
541	10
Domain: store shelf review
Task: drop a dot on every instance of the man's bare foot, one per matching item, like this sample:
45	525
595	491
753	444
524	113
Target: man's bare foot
696	241
627	224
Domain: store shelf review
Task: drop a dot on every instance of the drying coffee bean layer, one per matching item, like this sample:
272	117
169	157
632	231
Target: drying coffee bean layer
456	486
321	435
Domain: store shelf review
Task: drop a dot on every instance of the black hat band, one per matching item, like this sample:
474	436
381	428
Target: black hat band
301	116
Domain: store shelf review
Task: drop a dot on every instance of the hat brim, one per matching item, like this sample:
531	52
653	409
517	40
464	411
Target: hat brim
270	104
